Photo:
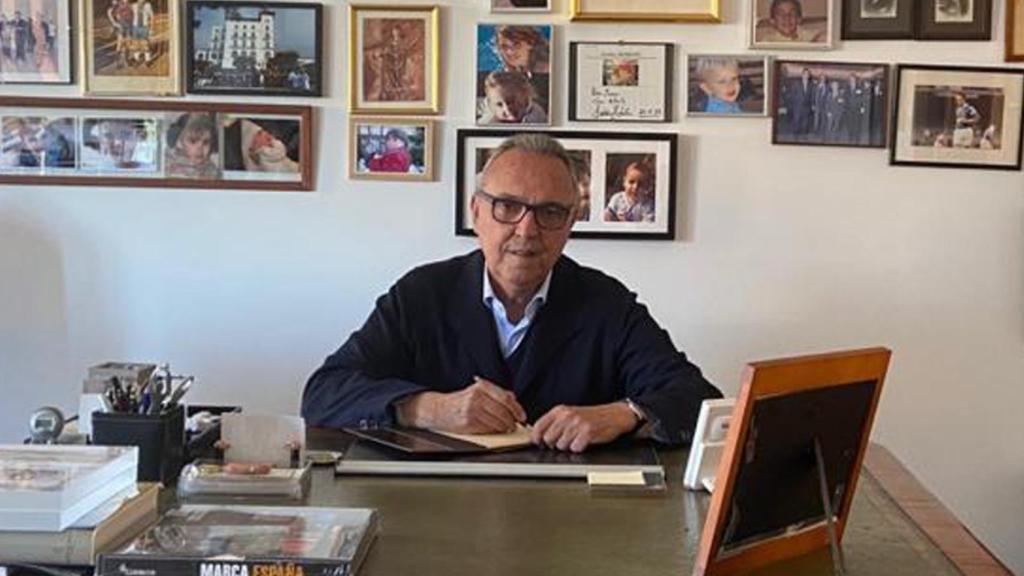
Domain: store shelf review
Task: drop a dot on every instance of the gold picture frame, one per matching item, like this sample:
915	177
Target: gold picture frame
646	10
129	59
394	59
391	148
1014	30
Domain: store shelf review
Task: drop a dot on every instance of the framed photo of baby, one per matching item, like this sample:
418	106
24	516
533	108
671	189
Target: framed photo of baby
791	24
726	85
625	182
131	47
394	57
620	82
513	74
391	149
35	46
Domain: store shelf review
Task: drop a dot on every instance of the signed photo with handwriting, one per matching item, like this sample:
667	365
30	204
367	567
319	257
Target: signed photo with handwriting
620	82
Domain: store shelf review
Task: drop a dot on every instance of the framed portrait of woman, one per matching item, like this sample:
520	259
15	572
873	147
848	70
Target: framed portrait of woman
513	74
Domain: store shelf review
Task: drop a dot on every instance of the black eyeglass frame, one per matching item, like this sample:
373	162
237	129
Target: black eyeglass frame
526	207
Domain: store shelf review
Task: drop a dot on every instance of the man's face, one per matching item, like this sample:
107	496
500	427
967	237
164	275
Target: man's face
521	255
786	18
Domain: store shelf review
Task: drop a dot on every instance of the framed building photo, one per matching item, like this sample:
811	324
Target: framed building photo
646	10
1014	30
620	81
878	19
391	149
513	74
726	85
394	57
791	24
954	20
35	42
516	6
258	48
958	117
830	104
626	181
131	46
93	142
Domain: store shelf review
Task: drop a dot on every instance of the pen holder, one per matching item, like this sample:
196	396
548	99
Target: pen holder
160	438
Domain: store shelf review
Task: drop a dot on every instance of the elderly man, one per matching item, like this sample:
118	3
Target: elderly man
513	333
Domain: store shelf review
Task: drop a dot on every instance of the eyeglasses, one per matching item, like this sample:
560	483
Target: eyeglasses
549	216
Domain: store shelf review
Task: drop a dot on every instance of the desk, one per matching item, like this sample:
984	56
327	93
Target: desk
455	527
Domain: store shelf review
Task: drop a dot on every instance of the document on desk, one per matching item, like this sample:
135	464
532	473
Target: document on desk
518	438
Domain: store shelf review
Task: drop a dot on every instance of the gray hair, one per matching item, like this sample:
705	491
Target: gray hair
535	143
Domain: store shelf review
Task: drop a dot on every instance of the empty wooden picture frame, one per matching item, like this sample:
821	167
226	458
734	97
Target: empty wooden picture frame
131	46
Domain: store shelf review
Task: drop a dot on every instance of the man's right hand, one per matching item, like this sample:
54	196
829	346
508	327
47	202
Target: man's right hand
481	408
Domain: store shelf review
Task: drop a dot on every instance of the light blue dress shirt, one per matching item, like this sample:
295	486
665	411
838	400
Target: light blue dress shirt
509	334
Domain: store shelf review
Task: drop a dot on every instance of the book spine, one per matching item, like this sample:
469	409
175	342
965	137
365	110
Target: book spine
144	565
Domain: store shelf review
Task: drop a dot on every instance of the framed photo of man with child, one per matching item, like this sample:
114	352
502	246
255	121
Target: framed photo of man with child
391	149
35	42
625	182
620	82
131	47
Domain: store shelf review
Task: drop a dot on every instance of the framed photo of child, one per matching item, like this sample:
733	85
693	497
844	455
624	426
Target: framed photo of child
620	82
131	46
35	45
391	149
394	59
625	182
791	24
726	85
513	74
954	19
878	19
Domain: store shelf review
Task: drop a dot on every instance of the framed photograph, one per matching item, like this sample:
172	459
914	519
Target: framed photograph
878	19
620	81
958	117
1014	30
35	42
391	149
513	74
646	10
726	85
520	6
89	142
257	48
954	20
830	104
131	46
791	24
626	181
394	57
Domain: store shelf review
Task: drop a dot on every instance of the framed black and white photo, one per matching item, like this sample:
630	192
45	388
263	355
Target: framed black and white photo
791	24
391	149
958	117
620	82
830	103
257	48
954	20
35	42
878	19
626	181
726	85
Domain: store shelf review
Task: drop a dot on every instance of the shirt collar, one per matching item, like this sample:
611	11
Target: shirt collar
538	298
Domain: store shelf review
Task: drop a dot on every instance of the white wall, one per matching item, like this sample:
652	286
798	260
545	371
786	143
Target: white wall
782	250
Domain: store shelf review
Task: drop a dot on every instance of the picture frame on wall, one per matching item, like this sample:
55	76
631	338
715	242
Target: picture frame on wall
520	6
394	59
281	49
958	117
791	24
878	19
124	58
513	74
819	103
1014	30
44	54
727	85
138	143
620	81
383	148
954	20
627	181
646	10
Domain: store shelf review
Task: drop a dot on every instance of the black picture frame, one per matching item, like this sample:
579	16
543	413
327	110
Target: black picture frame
594	149
313	72
612	112
855	26
928	26
910	146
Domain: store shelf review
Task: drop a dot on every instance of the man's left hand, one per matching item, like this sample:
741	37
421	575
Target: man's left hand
576	427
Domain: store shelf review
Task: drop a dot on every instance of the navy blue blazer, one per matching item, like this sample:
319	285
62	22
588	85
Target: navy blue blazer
590	343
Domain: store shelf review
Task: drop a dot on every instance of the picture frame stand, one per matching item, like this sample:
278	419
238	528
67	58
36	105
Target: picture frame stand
834	547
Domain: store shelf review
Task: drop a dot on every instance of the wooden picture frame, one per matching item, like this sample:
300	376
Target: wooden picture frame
395	148
394	59
621	81
601	160
273	62
728	85
795	421
124	60
794	25
513	74
646	10
106	142
878	19
1014	30
50	58
954	20
958	117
